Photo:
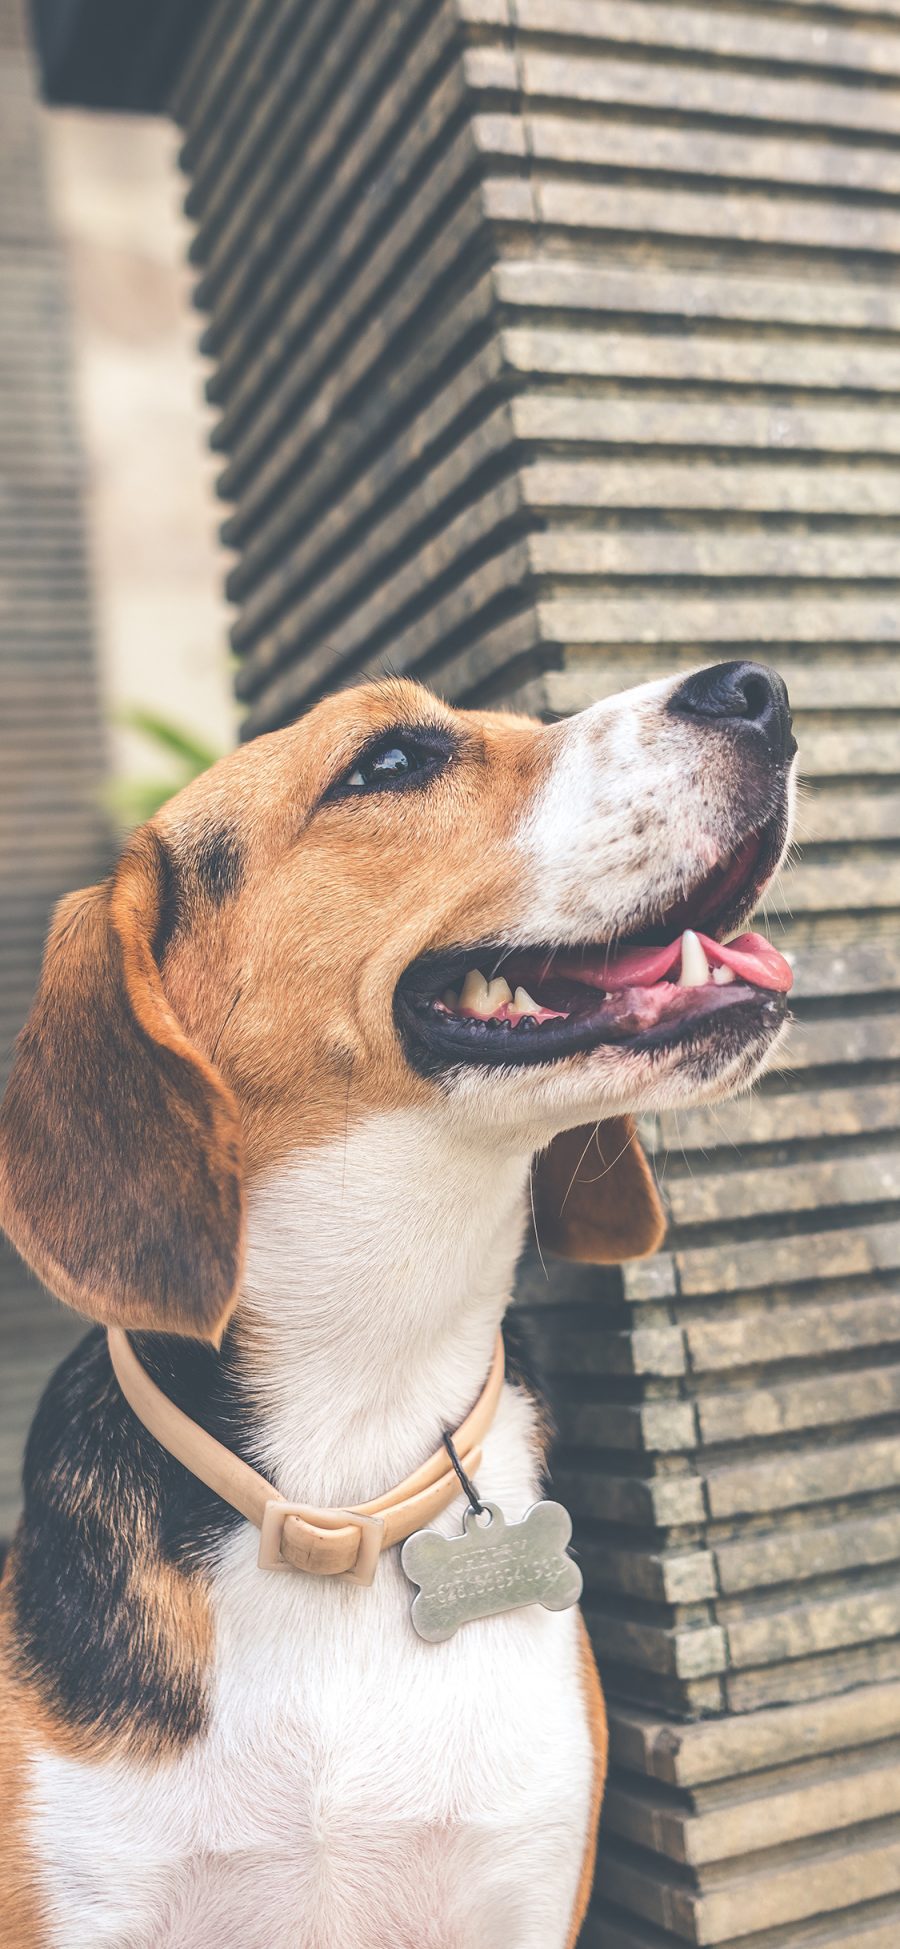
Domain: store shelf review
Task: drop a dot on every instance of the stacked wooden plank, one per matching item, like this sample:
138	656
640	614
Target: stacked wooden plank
556	345
50	734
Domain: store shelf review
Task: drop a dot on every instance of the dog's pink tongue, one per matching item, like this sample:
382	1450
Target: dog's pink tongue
751	957
754	959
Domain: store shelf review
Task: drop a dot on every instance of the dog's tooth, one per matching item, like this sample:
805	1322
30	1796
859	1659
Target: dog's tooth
474	996
723	975
694	965
499	993
523	1003
450	998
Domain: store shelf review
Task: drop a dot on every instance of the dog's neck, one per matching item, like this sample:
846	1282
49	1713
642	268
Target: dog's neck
378	1271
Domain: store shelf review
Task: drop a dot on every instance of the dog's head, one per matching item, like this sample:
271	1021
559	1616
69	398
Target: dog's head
393	903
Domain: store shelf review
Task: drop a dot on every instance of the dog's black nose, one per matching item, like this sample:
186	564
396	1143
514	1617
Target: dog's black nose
746	698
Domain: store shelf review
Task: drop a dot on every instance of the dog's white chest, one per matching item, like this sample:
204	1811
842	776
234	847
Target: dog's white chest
358	1788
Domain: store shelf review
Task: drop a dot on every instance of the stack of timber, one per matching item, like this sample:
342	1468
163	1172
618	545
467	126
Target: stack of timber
50	735
556	345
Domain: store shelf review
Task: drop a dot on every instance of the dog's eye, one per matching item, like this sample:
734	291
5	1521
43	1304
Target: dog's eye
384	767
400	759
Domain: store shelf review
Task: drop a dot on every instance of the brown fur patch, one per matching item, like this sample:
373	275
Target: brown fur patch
595	1199
21	1908
120	1154
596	1712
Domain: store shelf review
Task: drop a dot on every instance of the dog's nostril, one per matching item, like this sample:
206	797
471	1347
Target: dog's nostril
745	698
758	696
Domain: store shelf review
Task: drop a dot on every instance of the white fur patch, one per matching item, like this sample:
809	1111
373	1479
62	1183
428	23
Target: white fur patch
629	812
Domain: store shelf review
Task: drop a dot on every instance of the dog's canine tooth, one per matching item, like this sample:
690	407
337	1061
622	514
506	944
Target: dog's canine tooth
723	975
523	1003
694	965
450	998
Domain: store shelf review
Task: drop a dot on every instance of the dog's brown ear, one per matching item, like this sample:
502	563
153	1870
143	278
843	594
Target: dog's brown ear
594	1196
120	1146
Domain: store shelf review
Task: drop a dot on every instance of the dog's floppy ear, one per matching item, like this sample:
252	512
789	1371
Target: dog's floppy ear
594	1197
120	1145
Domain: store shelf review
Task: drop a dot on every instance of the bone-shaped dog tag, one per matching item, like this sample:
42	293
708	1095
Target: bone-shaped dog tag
494	1566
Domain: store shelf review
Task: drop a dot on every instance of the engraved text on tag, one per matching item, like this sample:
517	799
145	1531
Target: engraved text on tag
495	1567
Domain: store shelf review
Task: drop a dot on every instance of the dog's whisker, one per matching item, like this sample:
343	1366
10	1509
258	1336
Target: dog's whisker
607	1167
346	1130
594	1134
534	1226
214	1052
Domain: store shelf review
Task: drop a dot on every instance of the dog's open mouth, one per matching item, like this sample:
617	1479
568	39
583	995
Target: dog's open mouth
676	978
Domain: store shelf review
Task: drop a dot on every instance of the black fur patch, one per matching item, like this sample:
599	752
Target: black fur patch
103	1504
219	863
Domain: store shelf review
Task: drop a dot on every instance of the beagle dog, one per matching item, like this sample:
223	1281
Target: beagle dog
353	1009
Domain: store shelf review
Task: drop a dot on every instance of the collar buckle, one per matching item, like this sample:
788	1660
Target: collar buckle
370	1529
371	1544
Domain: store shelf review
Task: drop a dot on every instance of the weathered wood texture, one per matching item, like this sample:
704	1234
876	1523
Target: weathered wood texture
556	345
50	733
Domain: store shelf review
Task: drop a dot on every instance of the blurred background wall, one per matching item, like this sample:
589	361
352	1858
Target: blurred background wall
110	579
114	197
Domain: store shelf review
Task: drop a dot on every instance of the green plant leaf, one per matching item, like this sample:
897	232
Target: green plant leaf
131	801
192	751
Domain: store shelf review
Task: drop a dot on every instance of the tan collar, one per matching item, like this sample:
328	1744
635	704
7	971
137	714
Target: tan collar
329	1542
